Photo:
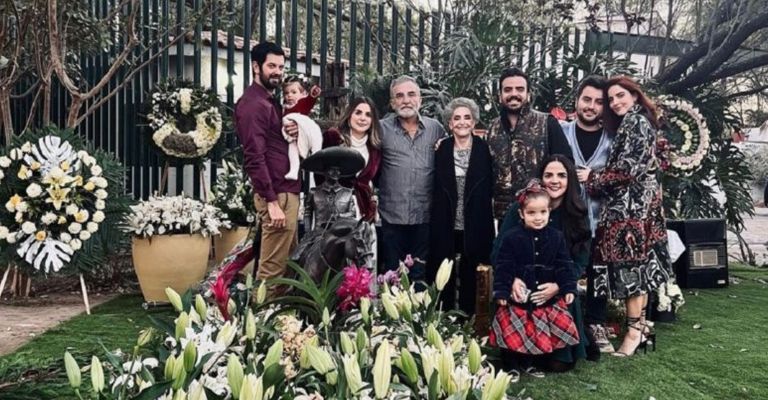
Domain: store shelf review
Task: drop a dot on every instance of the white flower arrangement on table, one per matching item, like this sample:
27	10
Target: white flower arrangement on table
54	199
169	215
687	131
233	194
185	119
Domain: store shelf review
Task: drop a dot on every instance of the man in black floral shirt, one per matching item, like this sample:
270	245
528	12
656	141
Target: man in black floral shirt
520	139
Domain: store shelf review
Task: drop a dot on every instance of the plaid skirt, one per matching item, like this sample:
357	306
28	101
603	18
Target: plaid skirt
540	331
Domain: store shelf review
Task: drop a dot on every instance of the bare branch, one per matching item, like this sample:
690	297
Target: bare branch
23	24
710	61
133	40
55	39
749	92
746	65
127	79
32	109
26	93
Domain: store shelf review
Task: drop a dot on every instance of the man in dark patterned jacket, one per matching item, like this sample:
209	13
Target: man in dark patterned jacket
520	139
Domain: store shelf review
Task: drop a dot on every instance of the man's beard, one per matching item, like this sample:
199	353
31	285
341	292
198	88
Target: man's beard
517	109
595	122
265	81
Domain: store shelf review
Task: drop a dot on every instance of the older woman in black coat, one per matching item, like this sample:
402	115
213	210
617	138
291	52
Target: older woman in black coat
462	217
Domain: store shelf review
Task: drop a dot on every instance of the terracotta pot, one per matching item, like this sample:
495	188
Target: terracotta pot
176	261
227	241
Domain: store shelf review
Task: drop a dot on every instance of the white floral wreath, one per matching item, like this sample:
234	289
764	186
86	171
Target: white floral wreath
685	120
168	103
57	203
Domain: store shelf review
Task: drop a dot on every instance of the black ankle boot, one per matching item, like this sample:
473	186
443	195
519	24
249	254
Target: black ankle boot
593	352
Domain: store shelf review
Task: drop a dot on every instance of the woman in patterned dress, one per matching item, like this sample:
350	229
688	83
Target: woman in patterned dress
461	220
631	257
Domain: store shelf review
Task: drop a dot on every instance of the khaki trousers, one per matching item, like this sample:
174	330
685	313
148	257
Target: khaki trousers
277	243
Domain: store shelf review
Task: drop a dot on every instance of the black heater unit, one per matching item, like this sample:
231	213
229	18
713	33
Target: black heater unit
705	261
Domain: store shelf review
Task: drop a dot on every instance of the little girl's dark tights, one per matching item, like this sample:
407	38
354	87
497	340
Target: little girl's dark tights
513	360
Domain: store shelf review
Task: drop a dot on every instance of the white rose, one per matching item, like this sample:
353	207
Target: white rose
65	237
185	100
56	173
3	232
75	228
34	190
100	204
22	207
72	209
100	182
16	154
49	218
89	160
92	227
82	216
85	235
76	244
96	170
98	216
5	162
101	194
82	154
28	228
26	147
11	237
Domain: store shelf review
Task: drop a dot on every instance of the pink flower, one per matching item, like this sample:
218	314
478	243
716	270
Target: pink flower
356	285
390	277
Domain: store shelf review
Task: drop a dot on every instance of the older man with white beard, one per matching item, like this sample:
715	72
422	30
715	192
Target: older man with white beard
406	178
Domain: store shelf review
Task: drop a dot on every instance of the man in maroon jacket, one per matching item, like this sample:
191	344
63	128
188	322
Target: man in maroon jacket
258	120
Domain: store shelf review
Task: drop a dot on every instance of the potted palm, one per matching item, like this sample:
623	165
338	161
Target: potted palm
171	242
233	195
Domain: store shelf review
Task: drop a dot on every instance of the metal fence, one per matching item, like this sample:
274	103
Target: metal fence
381	37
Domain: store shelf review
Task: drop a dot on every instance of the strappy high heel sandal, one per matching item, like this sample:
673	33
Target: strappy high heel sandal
649	334
634	323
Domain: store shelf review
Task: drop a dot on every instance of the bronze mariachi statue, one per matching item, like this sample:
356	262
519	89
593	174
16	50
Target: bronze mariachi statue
335	235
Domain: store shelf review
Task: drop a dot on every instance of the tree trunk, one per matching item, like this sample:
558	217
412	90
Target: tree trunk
74	111
7	117
46	102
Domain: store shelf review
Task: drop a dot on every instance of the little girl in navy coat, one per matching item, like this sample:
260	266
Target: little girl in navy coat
532	254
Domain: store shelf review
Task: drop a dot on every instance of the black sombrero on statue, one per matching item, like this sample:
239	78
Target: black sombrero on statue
349	162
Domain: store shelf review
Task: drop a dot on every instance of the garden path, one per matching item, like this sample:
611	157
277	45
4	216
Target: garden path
20	321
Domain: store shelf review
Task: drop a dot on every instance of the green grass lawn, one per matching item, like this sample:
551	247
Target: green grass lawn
725	359
115	323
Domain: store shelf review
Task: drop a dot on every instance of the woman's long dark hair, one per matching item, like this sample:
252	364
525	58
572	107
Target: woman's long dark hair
374	133
575	225
611	120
